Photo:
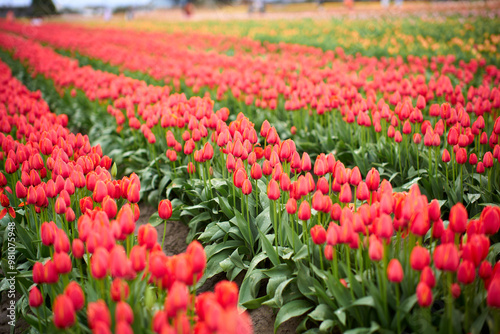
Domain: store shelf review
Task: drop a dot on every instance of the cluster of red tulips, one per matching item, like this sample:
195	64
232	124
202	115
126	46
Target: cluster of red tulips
93	267
457	124
347	229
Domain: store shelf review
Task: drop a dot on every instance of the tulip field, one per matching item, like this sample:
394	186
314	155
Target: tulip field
349	187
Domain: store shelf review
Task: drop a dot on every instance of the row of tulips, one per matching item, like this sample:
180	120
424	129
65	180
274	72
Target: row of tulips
376	225
87	271
458	137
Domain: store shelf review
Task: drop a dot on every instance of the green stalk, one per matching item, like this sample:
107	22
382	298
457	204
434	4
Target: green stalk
248	224
398	297
164	233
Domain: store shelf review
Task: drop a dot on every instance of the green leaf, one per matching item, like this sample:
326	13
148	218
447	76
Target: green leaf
269	249
290	310
322	312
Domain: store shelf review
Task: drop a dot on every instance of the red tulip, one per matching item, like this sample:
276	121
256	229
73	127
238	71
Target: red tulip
147	236
427	276
345	195
124	313
304	211
419	258
455	290
62	263
198	255
458	218
227	294
291	206
138	258
119	290
177	299
35	297
395	271
318	234
273	191
64	312
78	248
376	249
165	209
246	188
466	272
372	179
75	293
446	257
98	312
48	234
256	171
424	295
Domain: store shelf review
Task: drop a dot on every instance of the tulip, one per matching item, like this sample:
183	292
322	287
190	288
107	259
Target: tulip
455	290
291	206
35	297
226	294
64	312
446	257
395	271
318	234
345	195
246	187
372	179
124	313
304	211
48	234
485	270
458	218
424	295
273	191
165	209
78	248
198	256
147	236
119	290
177	299
427	277
98	312
419	258
466	273
376	249
62	263
75	293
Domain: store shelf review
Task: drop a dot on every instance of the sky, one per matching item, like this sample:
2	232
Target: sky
77	3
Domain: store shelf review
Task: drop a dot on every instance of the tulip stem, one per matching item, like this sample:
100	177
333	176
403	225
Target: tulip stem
256	199
38	319
461	183
449	301
321	258
249	229
164	232
398	296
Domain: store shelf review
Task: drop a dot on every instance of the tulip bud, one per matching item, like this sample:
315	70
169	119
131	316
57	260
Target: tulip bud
124	313
227	294
466	272
424	295
427	276
446	257
318	234
395	271
304	211
419	258
78	248
165	209
64	312
458	218
119	290
62	263
98	312
35	297
75	293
